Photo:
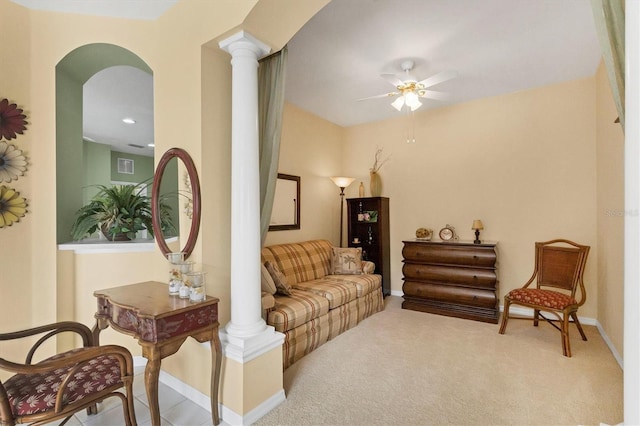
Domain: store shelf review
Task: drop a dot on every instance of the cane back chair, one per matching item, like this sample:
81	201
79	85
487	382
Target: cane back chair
553	287
59	386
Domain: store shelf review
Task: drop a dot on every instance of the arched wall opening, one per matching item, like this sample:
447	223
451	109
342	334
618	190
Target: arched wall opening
75	157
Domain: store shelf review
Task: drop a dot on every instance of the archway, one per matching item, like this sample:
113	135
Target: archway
73	151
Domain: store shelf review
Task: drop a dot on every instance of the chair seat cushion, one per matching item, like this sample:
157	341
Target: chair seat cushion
36	393
547	298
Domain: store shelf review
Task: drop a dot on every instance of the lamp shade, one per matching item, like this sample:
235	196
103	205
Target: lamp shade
477	224
341	181
398	103
412	101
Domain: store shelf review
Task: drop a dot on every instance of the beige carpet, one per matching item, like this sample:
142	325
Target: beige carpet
402	367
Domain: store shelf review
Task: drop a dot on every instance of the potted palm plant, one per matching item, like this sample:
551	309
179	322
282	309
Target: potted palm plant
119	212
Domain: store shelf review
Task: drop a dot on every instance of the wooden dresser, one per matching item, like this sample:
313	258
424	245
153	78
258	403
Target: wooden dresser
451	278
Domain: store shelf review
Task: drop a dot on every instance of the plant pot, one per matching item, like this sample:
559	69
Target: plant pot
120	236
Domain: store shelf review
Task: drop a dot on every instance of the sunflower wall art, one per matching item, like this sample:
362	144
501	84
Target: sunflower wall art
12	163
12	206
12	121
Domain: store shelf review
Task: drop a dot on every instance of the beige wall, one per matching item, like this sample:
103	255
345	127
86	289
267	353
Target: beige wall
312	149
16	279
611	213
15	241
192	101
523	163
533	165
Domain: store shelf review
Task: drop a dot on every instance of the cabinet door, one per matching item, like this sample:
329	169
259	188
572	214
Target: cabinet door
368	227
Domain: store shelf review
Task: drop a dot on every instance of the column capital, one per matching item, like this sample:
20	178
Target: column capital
245	41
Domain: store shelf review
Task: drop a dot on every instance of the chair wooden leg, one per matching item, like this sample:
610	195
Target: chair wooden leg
536	317
505	316
127	408
131	410
575	319
566	344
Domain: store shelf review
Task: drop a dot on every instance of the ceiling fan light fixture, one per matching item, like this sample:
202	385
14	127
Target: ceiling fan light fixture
412	101
398	103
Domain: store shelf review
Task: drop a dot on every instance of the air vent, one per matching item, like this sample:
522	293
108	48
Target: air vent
133	145
125	166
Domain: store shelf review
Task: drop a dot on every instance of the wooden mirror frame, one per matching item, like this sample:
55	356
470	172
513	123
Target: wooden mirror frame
296	224
195	194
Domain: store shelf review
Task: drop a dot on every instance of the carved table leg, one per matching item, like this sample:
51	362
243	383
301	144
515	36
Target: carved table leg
151	374
216	363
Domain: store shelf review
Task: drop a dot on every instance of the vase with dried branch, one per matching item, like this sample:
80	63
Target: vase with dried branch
375	182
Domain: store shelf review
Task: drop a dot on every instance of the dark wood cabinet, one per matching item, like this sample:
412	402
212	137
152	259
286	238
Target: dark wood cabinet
368	227
451	278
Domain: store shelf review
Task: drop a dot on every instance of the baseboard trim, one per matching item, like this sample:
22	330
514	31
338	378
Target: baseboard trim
612	348
179	386
233	418
226	414
527	312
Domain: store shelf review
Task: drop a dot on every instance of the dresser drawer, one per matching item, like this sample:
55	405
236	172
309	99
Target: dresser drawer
470	277
484	257
448	294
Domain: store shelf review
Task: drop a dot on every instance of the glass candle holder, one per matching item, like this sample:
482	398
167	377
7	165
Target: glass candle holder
185	268
175	257
176	261
196	281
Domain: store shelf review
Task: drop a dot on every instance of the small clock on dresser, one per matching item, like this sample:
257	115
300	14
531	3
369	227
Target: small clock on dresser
448	233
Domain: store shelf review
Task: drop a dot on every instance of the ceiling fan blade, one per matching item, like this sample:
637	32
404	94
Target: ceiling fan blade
438	78
393	79
386	95
432	94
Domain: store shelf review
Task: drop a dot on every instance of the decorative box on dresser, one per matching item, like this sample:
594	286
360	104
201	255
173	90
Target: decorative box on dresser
370	231
454	278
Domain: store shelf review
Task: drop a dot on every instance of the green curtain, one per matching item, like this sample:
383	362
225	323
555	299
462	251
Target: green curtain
271	80
609	19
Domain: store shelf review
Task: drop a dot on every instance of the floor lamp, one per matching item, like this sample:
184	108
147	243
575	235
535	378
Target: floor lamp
342	183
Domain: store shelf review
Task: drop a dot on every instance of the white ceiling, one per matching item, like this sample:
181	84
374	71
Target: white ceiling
496	47
131	9
111	95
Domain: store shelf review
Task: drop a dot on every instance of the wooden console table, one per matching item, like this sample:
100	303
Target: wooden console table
161	323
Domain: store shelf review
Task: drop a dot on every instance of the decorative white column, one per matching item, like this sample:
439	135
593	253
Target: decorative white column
246	335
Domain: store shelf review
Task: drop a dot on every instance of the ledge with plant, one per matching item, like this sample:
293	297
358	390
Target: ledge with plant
120	212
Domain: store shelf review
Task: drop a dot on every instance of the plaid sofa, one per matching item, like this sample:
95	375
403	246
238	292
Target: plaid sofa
321	305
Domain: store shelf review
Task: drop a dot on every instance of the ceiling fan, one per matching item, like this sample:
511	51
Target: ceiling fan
410	90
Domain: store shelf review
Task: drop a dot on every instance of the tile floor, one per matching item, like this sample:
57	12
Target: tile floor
175	409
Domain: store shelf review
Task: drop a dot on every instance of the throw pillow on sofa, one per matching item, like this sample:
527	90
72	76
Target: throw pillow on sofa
279	279
346	260
268	285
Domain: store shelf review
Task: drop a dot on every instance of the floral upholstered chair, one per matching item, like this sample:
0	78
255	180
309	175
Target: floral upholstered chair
68	382
556	281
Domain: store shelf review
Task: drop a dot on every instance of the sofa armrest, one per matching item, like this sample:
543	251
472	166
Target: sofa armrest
368	267
268	303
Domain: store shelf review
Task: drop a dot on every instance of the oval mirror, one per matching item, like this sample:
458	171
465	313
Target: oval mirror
195	194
